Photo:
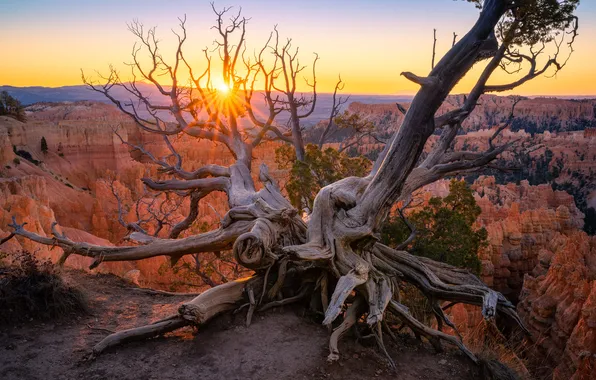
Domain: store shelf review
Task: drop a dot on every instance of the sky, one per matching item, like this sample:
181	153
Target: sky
47	43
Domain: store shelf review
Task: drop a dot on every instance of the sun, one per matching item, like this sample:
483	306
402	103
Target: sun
223	88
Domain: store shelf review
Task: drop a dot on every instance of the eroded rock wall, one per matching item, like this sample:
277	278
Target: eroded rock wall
538	255
72	181
558	304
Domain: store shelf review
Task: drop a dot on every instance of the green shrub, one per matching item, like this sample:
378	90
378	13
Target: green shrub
319	168
10	106
445	229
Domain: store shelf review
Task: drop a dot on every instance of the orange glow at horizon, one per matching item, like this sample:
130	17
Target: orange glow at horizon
51	51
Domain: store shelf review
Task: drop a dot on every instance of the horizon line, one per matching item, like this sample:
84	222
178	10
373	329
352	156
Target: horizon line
590	96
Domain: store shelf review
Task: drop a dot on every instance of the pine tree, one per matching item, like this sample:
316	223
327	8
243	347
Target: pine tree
10	106
445	229
44	145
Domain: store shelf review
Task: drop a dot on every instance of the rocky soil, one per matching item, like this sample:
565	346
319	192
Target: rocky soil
280	344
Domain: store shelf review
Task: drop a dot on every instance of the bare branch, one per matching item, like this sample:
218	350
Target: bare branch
335	109
4	240
193	213
432	65
217	240
203	184
422	81
411	227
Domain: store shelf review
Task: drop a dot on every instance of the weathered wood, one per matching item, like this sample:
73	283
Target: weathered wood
217	240
353	312
406	147
253	249
139	333
214	301
402	312
344	287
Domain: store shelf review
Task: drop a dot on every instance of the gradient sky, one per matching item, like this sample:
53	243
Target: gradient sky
46	43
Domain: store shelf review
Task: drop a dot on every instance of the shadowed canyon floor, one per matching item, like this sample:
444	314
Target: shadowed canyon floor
286	346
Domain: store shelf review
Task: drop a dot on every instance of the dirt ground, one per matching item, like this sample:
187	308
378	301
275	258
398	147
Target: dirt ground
280	344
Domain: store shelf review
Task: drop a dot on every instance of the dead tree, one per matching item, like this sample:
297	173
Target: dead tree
282	77
290	68
338	102
338	251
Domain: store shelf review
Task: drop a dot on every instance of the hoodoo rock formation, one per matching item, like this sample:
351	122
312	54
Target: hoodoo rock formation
558	303
72	182
520	220
537	254
545	114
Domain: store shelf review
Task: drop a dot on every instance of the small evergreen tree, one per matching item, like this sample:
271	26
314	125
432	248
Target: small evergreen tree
44	145
445	229
320	168
10	106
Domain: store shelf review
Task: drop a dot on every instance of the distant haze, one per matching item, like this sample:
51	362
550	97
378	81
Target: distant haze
36	94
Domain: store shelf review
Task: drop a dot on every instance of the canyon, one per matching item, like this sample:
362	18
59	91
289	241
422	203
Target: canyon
554	141
537	254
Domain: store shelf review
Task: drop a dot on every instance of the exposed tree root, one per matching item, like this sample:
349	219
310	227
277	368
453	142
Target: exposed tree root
443	282
215	301
436	280
195	312
345	285
251	307
433	335
286	301
139	333
379	337
352	315
163	292
372	275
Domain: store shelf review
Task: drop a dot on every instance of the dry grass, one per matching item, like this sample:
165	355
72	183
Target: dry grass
499	353
34	289
499	356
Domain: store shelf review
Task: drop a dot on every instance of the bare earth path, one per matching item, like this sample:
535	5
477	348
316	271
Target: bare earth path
288	346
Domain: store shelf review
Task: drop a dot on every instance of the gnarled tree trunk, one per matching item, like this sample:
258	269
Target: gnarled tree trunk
337	253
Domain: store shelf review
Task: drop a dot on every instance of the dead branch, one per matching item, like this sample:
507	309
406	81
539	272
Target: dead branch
432	64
